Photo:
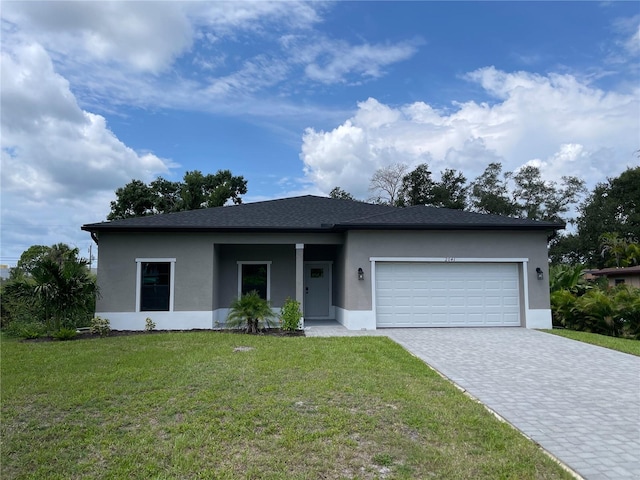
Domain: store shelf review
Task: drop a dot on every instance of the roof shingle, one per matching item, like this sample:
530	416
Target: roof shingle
312	213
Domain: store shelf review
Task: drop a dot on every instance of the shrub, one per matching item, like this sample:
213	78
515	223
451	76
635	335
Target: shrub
598	309
628	305
562	308
290	315
100	326
27	330
65	334
149	325
250	313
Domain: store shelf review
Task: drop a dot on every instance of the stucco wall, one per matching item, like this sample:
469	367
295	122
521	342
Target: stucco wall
360	246
117	269
206	264
283	263
198	256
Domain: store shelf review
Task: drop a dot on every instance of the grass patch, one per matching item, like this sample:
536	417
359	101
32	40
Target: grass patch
626	345
186	405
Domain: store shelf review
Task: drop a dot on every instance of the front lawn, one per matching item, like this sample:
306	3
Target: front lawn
625	345
194	405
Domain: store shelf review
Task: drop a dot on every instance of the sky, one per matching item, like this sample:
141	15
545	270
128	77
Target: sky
301	97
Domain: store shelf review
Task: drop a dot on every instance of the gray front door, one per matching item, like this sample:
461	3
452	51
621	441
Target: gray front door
317	290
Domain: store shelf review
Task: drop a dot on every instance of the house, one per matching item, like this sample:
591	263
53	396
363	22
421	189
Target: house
617	276
366	266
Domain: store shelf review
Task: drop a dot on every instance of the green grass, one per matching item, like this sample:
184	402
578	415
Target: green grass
187	406
625	345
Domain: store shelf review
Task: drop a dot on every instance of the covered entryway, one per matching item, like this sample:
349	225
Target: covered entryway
437	294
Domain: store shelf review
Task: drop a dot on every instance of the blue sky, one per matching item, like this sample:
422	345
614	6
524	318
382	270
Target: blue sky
301	97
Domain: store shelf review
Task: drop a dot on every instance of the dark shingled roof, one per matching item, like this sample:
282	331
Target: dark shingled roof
311	214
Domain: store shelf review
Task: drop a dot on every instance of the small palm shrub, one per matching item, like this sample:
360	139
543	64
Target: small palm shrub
563	309
100	326
290	315
250	313
65	334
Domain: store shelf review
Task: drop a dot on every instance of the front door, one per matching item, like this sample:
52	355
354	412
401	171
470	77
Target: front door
317	290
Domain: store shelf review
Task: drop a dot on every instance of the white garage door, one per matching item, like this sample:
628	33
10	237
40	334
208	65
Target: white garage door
447	294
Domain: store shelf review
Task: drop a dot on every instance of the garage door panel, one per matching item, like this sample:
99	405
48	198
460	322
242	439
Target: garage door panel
457	294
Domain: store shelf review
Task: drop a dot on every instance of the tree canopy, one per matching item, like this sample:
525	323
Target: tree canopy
51	288
137	199
386	184
612	210
339	193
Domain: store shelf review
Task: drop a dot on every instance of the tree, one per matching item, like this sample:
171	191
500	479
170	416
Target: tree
416	187
137	199
489	192
341	194
167	198
386	183
612	207
618	251
35	254
450	191
65	291
54	288
537	199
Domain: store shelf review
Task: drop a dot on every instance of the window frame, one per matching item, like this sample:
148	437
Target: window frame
254	262
172	271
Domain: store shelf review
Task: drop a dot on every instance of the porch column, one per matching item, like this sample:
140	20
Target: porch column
300	277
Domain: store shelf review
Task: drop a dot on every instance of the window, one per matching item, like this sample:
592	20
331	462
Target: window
254	276
155	284
619	281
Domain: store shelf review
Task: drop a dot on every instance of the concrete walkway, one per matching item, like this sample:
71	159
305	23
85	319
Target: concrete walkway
580	402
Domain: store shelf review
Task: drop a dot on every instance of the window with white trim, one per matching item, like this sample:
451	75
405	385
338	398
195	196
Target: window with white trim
155	284
254	276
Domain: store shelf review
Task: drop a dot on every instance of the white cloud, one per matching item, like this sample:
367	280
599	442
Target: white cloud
336	61
145	36
59	162
566	125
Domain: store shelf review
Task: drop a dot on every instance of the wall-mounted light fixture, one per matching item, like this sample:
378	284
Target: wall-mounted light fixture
360	274
539	272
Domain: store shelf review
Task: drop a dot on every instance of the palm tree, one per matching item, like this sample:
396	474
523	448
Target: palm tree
612	245
65	290
250	313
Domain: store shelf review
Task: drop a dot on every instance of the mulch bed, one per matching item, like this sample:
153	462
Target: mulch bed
274	332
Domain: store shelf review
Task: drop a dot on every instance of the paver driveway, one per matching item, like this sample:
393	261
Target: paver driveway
578	401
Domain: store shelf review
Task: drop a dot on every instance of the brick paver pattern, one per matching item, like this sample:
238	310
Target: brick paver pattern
580	402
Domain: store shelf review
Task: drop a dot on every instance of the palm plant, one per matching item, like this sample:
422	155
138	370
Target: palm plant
599	310
567	277
65	291
250	313
563	309
627	299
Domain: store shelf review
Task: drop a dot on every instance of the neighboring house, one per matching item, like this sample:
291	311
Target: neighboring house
366	266
617	276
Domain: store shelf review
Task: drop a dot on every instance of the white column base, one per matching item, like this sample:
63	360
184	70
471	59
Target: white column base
539	318
356	319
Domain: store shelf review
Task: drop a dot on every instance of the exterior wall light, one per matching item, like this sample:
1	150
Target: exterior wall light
539	272
360	274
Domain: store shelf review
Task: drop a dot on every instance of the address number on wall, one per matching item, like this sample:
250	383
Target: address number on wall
450	259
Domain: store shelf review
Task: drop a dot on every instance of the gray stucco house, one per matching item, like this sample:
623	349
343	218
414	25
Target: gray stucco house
366	266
